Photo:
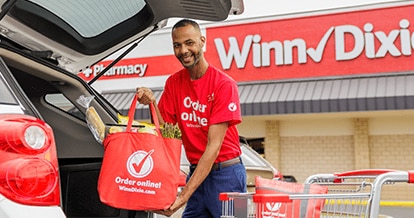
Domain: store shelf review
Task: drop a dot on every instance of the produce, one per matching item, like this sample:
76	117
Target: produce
168	130
171	131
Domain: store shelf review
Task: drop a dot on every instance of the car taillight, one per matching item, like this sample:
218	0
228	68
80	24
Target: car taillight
28	161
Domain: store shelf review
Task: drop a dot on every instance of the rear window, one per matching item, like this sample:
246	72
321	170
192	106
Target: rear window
251	158
87	26
60	101
92	17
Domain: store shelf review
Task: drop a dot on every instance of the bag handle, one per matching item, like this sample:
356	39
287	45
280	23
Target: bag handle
131	114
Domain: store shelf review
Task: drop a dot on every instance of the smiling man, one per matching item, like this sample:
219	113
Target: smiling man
204	102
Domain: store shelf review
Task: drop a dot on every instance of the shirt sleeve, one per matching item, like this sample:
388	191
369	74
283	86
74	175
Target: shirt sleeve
226	107
166	103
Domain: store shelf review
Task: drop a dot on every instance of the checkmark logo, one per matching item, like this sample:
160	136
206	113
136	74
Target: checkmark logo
316	54
138	166
140	163
232	107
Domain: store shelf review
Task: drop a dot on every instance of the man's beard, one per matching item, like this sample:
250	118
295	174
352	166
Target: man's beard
195	62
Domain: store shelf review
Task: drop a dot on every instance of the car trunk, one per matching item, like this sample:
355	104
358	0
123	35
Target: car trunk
79	154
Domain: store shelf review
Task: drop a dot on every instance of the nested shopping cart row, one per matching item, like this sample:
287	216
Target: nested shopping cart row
348	194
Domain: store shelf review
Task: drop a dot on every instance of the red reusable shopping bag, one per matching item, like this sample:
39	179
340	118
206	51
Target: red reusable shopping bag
306	208
140	171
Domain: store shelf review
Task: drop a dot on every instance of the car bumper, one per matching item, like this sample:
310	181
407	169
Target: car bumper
10	209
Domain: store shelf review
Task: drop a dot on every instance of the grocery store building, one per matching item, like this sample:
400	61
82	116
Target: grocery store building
321	92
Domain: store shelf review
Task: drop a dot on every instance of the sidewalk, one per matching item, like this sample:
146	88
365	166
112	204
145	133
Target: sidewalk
397	209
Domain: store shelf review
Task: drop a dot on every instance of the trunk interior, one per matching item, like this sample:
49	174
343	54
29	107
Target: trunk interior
54	95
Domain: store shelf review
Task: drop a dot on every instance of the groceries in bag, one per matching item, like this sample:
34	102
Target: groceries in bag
140	171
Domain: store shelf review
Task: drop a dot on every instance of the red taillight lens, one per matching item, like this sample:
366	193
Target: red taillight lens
28	161
32	177
25	135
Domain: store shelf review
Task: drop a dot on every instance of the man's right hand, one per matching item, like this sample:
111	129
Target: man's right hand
145	96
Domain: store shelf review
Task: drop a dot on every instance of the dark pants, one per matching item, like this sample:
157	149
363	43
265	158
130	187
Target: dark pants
205	200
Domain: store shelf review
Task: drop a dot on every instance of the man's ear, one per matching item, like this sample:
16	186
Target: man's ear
203	39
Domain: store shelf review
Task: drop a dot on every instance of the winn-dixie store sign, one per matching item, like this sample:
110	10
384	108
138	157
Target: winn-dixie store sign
360	42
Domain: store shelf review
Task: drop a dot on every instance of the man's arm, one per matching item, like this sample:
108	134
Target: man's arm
146	97
216	135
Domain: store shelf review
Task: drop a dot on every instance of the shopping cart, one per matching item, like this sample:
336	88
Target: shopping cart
350	194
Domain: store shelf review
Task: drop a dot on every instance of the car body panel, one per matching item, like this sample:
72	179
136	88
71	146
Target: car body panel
256	165
11	109
252	172
10	209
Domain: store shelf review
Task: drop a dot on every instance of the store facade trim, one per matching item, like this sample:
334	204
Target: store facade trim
323	95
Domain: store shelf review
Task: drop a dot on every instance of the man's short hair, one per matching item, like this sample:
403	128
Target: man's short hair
186	22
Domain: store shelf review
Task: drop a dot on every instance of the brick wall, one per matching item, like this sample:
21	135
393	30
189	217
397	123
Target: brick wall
272	144
361	144
303	156
394	152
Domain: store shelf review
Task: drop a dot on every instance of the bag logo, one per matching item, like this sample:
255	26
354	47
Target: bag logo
140	164
273	209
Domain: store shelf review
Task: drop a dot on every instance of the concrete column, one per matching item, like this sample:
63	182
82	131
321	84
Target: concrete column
361	144
272	144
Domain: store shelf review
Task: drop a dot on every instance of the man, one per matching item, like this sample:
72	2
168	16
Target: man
204	102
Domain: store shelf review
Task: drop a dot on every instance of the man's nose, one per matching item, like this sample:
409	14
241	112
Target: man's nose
183	49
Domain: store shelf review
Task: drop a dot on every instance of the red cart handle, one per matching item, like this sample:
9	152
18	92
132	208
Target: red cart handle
364	172
265	198
411	176
226	196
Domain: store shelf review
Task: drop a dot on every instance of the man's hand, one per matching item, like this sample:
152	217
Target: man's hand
178	203
145	96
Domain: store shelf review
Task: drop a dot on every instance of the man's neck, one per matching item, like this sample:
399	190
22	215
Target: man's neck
198	71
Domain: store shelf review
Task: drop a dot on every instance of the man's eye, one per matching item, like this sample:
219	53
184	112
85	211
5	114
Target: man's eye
190	43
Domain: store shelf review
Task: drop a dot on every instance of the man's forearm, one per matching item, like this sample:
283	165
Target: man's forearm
157	110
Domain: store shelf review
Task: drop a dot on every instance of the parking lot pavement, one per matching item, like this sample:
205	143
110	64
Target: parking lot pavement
397	212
